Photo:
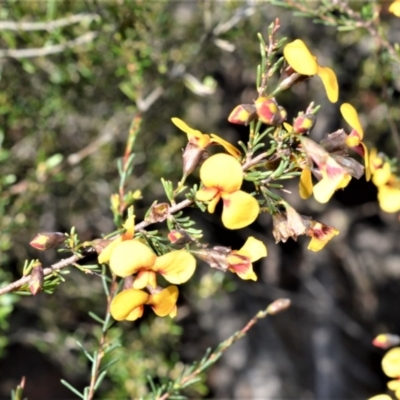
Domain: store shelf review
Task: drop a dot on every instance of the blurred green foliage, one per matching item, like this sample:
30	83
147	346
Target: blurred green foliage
64	119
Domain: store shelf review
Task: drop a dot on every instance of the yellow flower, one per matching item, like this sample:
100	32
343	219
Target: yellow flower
381	397
128	304
129	226
240	261
299	57
320	234
388	184
222	176
291	225
395	386
389	195
391	363
394	8
203	140
133	257
333	175
354	139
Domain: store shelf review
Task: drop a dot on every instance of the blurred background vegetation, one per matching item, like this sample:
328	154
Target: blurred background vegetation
69	89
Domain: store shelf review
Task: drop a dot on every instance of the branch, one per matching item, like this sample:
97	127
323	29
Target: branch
47	271
274	308
46	26
47	50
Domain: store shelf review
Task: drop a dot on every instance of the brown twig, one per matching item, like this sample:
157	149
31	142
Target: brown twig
274	308
103	342
47	271
46	26
140	226
47	50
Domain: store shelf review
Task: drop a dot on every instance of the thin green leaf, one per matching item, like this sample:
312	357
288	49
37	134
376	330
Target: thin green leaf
71	388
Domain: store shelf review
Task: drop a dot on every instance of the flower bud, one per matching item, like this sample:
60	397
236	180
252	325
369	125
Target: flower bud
269	112
304	123
242	114
386	340
47	240
36	279
179	237
278	306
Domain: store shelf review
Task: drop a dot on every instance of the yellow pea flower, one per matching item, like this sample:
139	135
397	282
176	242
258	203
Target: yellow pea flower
222	176
354	139
391	363
389	196
320	234
333	175
394	8
240	261
387	183
133	257
129	225
299	57
128	304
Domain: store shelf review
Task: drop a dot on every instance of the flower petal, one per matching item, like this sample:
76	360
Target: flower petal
183	126
299	58
222	171
325	188
241	265
240	210
305	184
104	256
391	363
394	8
135	314
144	279
163	303
126	301
129	225
330	83
176	266
230	148
351	117
389	199
381	397
321	234
254	249
130	256
381	177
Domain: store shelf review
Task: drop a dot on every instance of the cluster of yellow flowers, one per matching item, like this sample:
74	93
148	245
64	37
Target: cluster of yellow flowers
222	177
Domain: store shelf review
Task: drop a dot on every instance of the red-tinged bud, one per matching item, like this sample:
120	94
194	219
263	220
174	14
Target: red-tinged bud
193	155
278	306
36	279
269	112
242	114
386	340
47	240
217	257
158	212
179	237
304	123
